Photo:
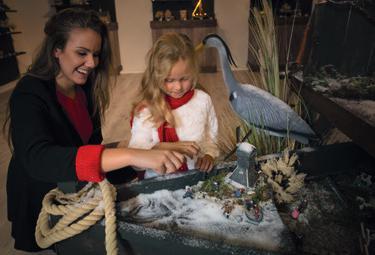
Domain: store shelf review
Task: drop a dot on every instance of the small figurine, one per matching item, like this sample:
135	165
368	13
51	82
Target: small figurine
285	9
295	213
237	193
216	186
183	14
299	209
303	205
228	208
188	192
249	203
168	15
253	211
159	15
257	212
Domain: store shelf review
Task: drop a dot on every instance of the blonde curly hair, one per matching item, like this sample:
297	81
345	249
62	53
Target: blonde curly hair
163	55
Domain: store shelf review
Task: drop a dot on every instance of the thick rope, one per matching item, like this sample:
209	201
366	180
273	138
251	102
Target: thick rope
79	211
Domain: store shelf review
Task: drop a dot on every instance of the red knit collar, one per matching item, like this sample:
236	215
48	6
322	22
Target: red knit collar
177	102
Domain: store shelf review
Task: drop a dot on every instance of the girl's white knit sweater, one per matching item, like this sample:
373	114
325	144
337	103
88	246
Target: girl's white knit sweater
195	121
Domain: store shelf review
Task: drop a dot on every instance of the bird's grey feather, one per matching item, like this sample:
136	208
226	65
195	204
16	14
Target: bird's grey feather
256	106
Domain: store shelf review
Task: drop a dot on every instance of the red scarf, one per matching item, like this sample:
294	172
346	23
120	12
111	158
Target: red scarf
167	133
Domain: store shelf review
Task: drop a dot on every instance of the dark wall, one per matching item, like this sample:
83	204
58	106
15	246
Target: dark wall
343	36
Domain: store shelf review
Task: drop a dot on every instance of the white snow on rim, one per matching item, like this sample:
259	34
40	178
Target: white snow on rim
247	147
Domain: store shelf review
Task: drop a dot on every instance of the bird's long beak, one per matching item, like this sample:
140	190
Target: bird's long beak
199	47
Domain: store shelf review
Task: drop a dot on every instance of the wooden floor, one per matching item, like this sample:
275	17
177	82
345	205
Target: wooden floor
115	128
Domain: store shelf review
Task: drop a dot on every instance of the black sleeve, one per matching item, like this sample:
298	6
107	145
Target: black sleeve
34	137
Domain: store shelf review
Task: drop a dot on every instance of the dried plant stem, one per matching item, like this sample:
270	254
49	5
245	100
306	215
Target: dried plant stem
264	48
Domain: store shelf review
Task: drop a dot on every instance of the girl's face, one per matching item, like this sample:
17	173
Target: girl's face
179	80
79	57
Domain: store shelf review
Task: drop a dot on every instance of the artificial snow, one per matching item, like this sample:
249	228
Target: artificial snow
246	147
204	218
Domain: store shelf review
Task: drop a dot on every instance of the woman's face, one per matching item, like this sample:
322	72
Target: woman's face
179	80
79	57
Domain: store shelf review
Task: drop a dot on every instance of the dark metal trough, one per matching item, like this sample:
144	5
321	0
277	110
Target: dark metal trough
134	239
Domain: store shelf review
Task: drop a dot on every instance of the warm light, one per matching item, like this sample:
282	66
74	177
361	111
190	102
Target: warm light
198	11
196	8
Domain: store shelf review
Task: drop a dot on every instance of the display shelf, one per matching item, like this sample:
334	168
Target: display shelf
183	23
8	55
175	6
12	54
290	18
195	28
9	33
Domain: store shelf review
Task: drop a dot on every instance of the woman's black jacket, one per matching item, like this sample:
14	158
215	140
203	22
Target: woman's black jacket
45	147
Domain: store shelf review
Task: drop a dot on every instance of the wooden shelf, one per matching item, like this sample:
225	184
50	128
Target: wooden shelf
13	54
183	23
175	6
10	33
63	6
196	30
8	58
300	20
7	10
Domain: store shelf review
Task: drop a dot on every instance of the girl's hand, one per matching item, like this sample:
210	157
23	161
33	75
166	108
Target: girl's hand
184	147
205	164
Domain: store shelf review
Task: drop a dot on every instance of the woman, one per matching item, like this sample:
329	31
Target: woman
54	121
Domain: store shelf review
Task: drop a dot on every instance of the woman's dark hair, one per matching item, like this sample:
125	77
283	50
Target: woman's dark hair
57	31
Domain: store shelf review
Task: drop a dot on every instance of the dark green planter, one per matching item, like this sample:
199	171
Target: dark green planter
136	239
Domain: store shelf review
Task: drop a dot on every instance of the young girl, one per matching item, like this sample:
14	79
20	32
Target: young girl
171	113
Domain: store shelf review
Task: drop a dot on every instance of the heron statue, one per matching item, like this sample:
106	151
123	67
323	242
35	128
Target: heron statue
256	106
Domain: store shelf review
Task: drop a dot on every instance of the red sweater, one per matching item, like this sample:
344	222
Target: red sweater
88	157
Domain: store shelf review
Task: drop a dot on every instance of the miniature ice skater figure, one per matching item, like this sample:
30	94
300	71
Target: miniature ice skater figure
253	211
188	192
244	175
299	209
227	209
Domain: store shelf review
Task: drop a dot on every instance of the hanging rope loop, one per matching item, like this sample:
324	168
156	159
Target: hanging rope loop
78	212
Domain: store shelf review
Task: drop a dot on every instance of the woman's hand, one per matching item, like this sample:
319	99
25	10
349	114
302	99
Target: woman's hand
184	147
162	161
205	164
